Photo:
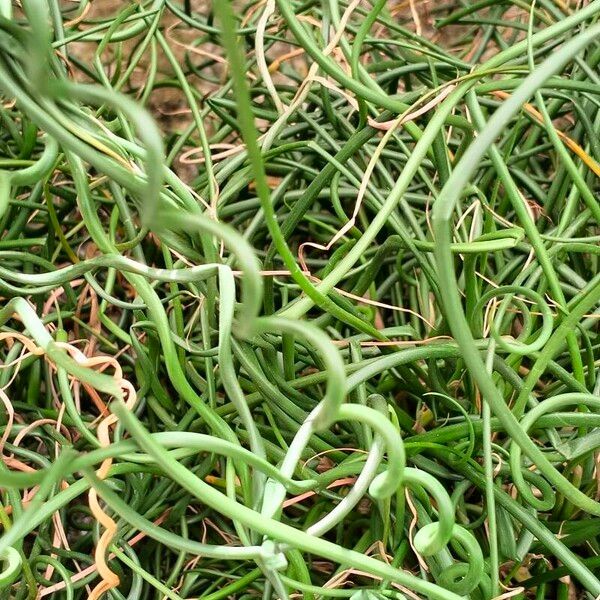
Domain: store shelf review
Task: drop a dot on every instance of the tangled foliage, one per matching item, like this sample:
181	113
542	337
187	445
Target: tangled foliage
325	328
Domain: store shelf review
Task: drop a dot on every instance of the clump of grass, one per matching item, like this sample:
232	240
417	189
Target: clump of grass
331	334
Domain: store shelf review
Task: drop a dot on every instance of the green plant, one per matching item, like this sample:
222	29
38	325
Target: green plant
334	361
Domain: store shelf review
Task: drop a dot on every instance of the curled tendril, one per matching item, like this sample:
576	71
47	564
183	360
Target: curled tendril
546	501
11	563
521	345
463	578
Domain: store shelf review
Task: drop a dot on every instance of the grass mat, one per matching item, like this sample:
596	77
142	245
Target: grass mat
299	299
